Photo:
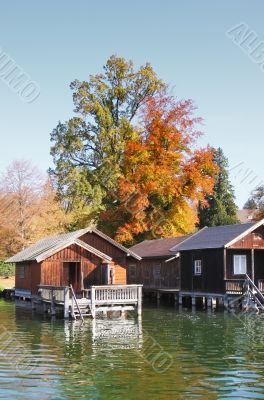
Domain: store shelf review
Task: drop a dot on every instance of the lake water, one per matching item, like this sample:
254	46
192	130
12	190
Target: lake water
167	355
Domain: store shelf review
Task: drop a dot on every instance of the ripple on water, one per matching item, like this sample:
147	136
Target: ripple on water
213	356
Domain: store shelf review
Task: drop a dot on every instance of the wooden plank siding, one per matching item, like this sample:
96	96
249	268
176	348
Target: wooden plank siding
55	269
212	274
155	273
31	276
254	240
104	246
120	275
52	269
259	265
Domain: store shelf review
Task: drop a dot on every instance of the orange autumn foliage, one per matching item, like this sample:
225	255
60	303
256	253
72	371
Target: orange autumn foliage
164	175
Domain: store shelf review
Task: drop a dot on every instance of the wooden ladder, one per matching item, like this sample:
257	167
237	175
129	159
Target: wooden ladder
253	294
79	309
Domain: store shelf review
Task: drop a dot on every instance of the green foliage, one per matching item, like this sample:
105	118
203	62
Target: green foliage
250	204
221	209
7	269
87	150
256	202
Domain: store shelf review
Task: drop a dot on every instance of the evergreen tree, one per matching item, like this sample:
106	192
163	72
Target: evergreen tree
221	208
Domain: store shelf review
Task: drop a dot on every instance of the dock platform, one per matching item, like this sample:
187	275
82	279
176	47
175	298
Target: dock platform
88	302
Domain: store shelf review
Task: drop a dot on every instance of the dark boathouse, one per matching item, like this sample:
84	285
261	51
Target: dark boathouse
217	259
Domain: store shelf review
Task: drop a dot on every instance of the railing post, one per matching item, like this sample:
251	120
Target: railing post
93	301
52	306
66	302
139	295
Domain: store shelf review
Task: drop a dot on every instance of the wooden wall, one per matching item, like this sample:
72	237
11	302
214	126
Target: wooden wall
31	276
259	264
53	271
212	278
52	268
230	263
154	273
254	240
105	247
120	275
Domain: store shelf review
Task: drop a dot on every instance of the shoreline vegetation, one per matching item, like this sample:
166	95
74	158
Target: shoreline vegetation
7	276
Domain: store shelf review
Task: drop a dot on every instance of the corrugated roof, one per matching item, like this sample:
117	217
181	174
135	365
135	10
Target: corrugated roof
158	247
51	244
214	237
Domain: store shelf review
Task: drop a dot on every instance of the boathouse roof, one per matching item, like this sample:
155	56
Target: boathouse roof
52	244
158	247
216	237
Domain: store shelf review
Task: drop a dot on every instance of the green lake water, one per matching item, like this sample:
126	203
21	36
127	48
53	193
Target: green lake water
167	355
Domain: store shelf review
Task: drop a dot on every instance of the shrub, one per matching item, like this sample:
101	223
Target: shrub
7	269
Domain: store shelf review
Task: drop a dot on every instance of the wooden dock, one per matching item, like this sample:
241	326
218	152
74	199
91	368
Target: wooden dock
239	293
105	298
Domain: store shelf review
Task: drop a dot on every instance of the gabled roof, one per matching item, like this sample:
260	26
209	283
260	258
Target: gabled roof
79	243
52	244
217	237
158	247
114	243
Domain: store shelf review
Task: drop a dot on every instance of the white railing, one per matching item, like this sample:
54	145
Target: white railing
107	296
252	292
116	294
261	285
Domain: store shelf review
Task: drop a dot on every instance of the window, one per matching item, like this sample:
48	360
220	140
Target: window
240	264
197	267
21	271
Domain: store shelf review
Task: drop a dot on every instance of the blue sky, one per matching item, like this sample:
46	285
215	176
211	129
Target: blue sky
185	41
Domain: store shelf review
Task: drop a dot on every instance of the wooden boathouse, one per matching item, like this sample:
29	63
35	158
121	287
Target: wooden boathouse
214	265
81	273
159	269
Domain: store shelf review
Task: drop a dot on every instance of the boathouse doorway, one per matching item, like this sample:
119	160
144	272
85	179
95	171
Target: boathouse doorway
72	274
107	274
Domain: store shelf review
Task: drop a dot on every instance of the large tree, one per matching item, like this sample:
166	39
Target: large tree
164	177
220	207
256	202
88	149
29	209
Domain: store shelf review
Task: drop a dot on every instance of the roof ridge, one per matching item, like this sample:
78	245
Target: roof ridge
188	238
115	243
92	249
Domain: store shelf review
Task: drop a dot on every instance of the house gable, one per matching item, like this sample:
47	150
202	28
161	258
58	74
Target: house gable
253	240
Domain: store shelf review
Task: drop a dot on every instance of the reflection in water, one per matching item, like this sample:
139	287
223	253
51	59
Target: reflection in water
119	333
215	356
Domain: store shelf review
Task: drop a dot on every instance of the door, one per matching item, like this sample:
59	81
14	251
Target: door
197	274
72	275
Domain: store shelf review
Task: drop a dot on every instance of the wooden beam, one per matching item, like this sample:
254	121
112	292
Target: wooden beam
224	258
253	265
